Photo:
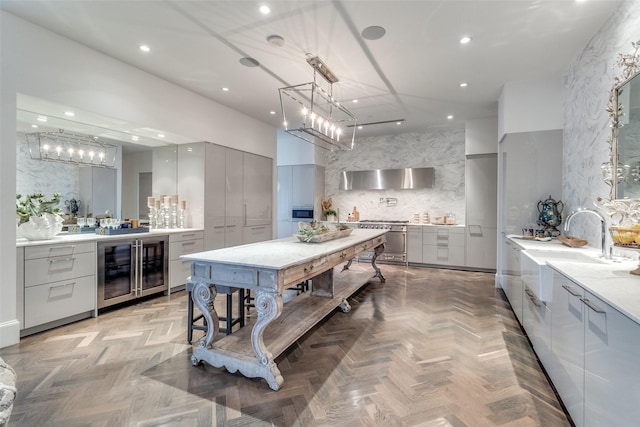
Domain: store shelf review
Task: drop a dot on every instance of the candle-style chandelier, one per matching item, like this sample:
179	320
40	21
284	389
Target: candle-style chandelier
67	147
310	111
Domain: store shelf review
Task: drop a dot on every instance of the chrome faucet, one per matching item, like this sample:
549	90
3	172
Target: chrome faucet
602	221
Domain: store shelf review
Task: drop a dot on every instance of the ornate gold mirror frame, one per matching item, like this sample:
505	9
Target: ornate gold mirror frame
614	172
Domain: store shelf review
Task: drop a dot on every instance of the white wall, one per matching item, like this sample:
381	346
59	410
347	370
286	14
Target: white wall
42	64
481	136
531	105
294	151
589	82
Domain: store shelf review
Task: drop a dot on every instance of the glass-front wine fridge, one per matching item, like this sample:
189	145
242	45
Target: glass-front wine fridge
132	268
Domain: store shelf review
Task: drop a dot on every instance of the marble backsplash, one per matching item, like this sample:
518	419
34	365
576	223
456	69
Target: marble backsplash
36	176
589	82
441	148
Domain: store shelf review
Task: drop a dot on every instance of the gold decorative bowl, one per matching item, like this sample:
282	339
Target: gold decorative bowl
628	237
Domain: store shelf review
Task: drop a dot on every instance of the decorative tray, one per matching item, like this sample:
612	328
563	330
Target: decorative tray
74	229
572	242
115	231
318	232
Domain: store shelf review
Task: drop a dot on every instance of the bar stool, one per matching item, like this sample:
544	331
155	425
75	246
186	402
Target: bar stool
192	322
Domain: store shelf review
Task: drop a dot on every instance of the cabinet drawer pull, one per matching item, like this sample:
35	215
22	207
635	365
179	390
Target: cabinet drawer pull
343	255
51	261
59	248
189	235
188	243
534	299
592	306
570	290
307	270
62	286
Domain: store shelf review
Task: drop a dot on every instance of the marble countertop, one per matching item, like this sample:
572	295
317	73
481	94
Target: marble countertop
282	253
87	237
609	280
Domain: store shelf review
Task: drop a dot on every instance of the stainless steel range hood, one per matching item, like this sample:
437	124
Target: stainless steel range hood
386	179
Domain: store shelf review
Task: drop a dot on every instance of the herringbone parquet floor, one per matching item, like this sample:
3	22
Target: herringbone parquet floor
429	347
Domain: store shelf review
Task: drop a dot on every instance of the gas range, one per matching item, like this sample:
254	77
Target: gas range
395	250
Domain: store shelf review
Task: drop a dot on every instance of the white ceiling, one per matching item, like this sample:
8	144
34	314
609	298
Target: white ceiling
412	73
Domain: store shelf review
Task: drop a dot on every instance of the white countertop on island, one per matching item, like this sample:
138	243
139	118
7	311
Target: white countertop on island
281	253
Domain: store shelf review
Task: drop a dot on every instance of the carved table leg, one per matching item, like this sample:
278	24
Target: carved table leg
377	251
347	265
269	307
204	295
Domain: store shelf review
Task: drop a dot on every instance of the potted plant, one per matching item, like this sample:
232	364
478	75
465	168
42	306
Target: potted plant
38	218
330	214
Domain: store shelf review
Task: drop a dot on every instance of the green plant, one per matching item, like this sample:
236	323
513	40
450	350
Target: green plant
330	212
35	205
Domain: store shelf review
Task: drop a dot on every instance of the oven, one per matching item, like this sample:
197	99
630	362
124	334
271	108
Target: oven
395	250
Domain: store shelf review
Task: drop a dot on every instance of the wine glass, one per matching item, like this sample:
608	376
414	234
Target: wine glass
91	222
81	222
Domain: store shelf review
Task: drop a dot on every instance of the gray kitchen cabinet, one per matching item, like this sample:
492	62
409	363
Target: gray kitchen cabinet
414	243
183	243
215	197
511	272
234	199
611	356
567	345
256	189
59	283
443	245
20	286
303	178
237	192
299	186
481	189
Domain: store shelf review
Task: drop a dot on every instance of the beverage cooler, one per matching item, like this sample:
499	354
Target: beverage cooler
132	268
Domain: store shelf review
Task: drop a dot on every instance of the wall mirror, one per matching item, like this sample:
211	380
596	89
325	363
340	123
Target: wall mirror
622	171
123	189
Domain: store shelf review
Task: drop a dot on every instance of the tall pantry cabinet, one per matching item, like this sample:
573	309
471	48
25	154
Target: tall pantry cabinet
230	190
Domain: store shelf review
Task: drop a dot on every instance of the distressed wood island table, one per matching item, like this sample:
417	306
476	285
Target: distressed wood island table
268	268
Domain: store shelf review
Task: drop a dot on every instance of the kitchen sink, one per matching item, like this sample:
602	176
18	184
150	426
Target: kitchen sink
537	276
541	257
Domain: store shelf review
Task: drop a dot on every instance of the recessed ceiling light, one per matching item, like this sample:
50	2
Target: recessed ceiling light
275	40
265	10
450	116
42	119
34	126
360	127
69	113
355	101
373	32
465	40
161	135
225	89
464	84
145	48
134	138
272	113
249	62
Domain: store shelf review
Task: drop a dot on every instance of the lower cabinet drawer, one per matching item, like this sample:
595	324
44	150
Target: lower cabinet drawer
54	269
53	301
185	247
